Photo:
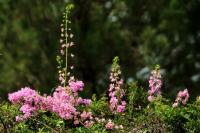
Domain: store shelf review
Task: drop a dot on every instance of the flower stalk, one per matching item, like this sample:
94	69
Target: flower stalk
63	73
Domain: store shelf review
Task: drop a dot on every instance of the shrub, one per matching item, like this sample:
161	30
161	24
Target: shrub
127	108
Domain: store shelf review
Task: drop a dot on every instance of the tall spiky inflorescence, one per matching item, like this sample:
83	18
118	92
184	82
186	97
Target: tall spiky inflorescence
116	93
155	83
182	97
67	96
65	42
65	99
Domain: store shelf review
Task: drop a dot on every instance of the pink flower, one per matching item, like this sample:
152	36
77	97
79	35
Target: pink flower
109	125
26	94
87	101
116	92
150	98
79	100
88	124
86	115
155	84
64	102
28	99
27	109
111	87
113	103
18	118
76	86
124	103
80	85
182	97
120	108
175	105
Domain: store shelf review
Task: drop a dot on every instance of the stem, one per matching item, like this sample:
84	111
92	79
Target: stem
66	52
68	8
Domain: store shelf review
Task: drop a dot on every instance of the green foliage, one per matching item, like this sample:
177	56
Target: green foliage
115	64
7	116
140	116
161	114
94	129
137	98
99	107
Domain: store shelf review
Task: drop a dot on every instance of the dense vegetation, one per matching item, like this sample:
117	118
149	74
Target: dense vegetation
108	98
139	116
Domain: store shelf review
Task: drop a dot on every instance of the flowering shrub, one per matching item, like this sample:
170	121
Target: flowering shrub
126	108
65	100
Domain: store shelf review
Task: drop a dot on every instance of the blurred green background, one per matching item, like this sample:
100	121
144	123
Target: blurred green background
141	32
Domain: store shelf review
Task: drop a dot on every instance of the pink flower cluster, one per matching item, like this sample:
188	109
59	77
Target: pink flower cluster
116	93
25	94
63	102
28	99
155	84
110	125
76	86
87	118
182	97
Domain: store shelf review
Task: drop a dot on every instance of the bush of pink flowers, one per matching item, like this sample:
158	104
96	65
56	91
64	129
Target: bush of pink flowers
116	110
63	102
